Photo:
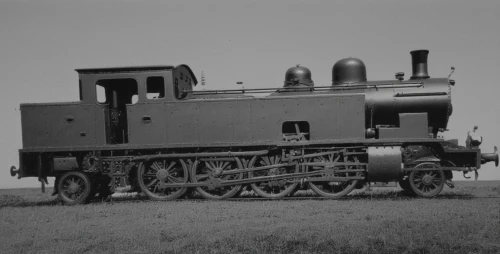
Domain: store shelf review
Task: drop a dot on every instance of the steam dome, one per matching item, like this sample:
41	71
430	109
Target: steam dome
298	76
347	71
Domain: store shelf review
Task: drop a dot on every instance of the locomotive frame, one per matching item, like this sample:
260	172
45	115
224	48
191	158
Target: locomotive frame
146	127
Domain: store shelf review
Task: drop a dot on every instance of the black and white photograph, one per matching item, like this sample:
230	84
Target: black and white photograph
228	126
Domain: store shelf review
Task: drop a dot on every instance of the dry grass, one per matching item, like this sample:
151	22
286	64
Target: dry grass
380	221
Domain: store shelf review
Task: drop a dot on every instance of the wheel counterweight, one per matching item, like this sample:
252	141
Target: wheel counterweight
154	174
331	189
273	189
215	171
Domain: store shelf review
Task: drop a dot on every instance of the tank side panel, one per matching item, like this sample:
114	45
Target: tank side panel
241	114
340	117
268	116
146	123
260	121
183	125
58	125
209	122
329	117
216	120
303	110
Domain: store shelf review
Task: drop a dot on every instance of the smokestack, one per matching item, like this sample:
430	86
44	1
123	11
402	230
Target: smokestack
419	64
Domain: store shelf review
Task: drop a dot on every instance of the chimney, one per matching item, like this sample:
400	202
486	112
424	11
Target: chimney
419	64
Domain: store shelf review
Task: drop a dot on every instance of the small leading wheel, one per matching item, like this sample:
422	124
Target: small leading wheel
273	189
155	174
214	172
331	189
74	188
427	183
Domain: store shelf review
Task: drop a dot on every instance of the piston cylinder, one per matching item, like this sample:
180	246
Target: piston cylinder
384	164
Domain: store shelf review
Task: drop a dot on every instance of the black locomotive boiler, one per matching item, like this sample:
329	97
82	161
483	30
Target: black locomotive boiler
146	128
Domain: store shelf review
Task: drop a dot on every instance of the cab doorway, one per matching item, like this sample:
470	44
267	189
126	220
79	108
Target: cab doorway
114	95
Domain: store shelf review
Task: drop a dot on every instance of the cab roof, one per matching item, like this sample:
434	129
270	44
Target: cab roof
136	69
124	69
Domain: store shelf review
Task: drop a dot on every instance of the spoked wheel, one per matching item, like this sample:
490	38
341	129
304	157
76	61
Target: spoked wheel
74	188
331	189
154	175
427	183
214	172
273	189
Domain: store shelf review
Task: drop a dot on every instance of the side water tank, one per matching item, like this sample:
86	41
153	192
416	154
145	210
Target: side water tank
348	71
298	76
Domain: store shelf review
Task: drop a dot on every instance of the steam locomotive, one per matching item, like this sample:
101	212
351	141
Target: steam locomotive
147	128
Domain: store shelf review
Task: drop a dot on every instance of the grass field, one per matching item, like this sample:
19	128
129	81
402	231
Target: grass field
461	220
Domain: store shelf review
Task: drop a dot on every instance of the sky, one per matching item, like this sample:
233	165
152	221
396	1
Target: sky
251	41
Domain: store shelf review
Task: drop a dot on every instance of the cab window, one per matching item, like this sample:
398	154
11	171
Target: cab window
155	88
116	92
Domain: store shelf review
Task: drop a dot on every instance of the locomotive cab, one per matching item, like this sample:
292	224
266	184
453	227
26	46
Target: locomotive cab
117	106
129	100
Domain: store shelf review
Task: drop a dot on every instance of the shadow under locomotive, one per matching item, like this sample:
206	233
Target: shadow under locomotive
17	201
